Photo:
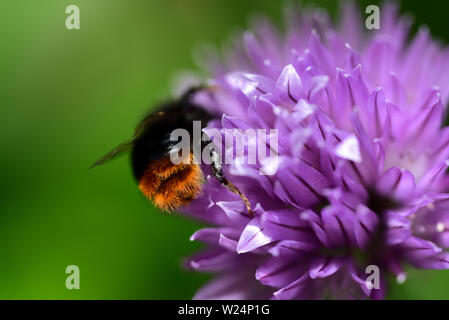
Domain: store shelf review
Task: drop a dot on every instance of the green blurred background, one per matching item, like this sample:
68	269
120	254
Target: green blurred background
66	98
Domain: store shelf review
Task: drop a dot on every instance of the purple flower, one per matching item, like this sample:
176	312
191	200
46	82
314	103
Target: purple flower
362	159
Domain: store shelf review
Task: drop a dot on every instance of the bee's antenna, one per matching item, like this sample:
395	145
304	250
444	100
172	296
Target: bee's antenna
218	174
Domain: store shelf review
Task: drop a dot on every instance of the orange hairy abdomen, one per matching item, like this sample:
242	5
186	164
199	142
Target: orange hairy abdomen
170	185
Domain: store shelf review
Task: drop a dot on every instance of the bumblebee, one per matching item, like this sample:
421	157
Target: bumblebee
166	184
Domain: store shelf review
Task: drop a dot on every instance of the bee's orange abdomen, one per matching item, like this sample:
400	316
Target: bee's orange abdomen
170	185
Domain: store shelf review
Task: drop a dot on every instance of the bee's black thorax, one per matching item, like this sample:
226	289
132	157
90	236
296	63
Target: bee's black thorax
154	142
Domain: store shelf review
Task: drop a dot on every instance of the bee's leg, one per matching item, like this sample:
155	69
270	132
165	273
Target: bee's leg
218	174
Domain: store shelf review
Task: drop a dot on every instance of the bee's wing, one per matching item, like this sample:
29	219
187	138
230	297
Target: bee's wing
124	147
146	121
120	149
